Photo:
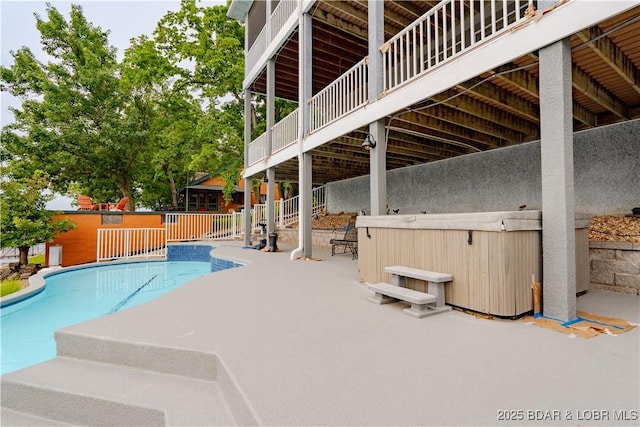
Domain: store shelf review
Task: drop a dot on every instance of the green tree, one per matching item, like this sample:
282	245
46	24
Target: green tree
74	123
206	47
24	219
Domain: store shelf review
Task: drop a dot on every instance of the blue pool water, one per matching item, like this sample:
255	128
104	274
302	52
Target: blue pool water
75	296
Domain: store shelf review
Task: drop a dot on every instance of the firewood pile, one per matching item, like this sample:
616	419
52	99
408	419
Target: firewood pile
623	228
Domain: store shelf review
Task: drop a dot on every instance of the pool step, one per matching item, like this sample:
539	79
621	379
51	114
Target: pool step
168	360
101	381
85	392
9	417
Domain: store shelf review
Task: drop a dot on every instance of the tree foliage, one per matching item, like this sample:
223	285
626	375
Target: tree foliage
138	128
24	219
72	122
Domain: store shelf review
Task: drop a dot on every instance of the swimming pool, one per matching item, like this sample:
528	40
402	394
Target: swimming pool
75	296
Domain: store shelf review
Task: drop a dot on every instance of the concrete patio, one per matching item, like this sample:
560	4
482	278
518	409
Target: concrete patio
297	343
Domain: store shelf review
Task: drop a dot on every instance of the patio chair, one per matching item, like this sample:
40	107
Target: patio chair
86	204
348	243
122	204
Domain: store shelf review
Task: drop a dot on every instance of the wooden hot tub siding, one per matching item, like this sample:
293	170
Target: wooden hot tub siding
490	275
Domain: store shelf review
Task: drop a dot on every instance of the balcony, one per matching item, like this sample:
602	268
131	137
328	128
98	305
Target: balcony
458	77
278	20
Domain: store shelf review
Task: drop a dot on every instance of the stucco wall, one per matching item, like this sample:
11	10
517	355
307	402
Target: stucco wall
607	178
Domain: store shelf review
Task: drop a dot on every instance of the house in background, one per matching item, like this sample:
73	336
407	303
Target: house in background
205	194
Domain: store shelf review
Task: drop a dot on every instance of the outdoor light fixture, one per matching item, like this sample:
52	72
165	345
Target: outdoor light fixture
265	179
369	142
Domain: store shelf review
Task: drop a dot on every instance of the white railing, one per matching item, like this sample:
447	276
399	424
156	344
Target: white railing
285	132
276	22
287	211
448	29
341	97
257	48
281	15
258	149
126	243
205	226
258	215
318	200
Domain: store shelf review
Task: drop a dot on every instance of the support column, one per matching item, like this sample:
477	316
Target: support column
378	169
247	181
304	159
271	176
558	210
271	216
378	155
306	200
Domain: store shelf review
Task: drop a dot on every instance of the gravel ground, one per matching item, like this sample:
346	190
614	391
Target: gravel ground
615	228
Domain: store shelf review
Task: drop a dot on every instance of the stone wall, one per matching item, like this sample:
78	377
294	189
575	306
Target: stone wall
615	266
606	165
319	238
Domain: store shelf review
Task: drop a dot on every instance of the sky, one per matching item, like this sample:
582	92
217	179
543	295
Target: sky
125	19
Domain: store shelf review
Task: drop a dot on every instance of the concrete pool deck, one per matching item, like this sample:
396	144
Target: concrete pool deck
297	343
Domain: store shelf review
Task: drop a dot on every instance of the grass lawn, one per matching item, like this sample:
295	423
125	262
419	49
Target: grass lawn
37	259
9	286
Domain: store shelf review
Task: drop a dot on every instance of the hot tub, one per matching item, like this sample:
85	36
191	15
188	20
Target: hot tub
492	256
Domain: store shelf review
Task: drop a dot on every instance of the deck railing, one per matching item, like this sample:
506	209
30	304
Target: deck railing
449	28
257	48
287	211
281	15
258	149
126	243
205	226
285	132
341	97
274	24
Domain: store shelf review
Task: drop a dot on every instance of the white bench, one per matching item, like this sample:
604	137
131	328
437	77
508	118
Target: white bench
422	304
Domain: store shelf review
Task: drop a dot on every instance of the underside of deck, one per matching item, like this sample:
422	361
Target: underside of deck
494	109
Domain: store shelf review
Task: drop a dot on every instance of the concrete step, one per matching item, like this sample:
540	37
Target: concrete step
168	360
86	392
9	417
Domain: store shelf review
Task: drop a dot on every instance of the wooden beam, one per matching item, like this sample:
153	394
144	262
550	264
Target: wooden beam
460	118
528	83
508	101
610	53
590	87
478	108
341	24
428	126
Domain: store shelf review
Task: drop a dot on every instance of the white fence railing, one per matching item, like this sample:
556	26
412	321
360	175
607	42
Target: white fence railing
258	215
285	132
287	211
258	149
205	226
344	95
125	243
449	28
281	15
278	19
257	48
